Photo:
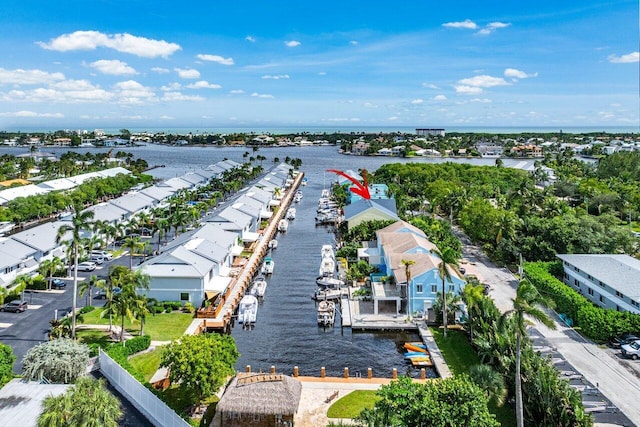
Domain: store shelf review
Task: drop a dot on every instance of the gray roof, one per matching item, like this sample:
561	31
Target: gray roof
133	202
228	164
114	171
208	232
158	193
107	212
207	249
15	249
215	169
22	401
193	178
260	195
179	262
229	214
385	206
175	183
42	237
621	272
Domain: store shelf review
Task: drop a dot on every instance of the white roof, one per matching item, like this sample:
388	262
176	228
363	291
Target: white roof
133	202
107	212
57	184
42	237
24	191
114	171
26	401
158	193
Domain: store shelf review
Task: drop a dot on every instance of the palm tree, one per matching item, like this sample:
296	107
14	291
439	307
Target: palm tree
490	381
133	244
527	303
472	295
125	304
88	285
407	263
48	268
142	309
79	222
448	262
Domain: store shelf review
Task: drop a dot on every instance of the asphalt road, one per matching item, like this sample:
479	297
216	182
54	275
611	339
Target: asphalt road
616	378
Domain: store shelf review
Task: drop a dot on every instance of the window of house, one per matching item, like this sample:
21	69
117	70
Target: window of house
601	298
451	288
434	289
184	296
601	284
619	294
419	288
635	303
576	283
590	291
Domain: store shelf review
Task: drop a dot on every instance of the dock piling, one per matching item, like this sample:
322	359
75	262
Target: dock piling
346	372
248	368
395	374
369	373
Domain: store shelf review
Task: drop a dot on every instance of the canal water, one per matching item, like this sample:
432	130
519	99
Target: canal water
286	333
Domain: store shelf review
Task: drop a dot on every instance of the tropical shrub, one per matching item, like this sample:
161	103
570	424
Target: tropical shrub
61	360
7	359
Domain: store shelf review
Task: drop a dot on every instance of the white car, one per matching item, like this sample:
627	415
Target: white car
104	254
87	266
631	349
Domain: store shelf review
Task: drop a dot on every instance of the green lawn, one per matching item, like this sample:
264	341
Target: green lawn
161	327
91	336
147	363
352	404
460	356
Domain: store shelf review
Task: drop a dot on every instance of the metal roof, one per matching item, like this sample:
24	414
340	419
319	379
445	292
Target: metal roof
620	272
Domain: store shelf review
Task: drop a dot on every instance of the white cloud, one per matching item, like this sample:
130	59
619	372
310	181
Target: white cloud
417	101
177	96
160	70
189	73
467	23
393	118
236	91
261	95
203	84
343	119
28	77
439	98
127	43
132	92
292	43
113	67
517	74
63	92
483	81
322	73
31	114
354	43
250	39
369	105
491	27
171	86
276	77
215	58
164	117
468	90
429	86
481	100
624	59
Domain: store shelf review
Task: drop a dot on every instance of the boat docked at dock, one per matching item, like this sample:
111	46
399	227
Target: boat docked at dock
248	310
258	287
327	252
267	266
283	225
329	294
326	313
327	267
291	214
327	282
273	244
297	197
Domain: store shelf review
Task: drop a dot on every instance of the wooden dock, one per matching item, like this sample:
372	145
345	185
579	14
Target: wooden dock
221	318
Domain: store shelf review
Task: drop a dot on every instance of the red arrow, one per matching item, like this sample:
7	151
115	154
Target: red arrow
360	189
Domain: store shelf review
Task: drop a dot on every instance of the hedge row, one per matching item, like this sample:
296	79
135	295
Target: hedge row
597	323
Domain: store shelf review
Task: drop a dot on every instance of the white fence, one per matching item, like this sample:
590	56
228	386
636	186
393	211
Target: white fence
154	409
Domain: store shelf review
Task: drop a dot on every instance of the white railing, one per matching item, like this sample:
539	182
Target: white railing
154	409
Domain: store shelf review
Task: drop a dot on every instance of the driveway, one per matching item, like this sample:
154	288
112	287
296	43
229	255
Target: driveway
617	379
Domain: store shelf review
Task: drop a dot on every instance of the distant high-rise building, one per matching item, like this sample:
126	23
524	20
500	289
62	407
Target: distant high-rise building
430	132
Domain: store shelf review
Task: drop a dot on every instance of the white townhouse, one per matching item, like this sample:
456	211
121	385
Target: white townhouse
15	259
608	280
262	196
252	207
231	219
106	212
42	238
133	203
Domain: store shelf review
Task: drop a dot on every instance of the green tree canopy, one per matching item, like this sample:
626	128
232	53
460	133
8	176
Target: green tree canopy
59	361
199	364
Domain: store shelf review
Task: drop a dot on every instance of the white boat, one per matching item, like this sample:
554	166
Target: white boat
283	225
291	214
273	244
328	282
326	313
248	310
329	294
259	287
267	266
327	267
298	197
327	251
304	181
325	193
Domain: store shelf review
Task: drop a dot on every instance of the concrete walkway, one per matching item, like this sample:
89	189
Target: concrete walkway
616	382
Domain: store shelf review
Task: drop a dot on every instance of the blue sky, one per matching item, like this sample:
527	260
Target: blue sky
202	64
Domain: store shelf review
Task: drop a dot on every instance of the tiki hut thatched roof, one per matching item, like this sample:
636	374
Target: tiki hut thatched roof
264	394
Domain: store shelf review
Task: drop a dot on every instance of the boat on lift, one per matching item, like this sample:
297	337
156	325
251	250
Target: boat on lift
326	313
273	244
248	310
291	214
283	225
258	287
328	282
267	266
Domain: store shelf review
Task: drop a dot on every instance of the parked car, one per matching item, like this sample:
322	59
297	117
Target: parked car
104	254
101	294
631	349
58	284
97	259
87	266
15	306
620	340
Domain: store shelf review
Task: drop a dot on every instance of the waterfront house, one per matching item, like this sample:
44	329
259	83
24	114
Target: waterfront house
175	184
133	203
215	171
369	210
252	207
402	241
385	152
376	191
42	238
106	212
231	219
264	197
15	258
158	194
607	280
259	399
